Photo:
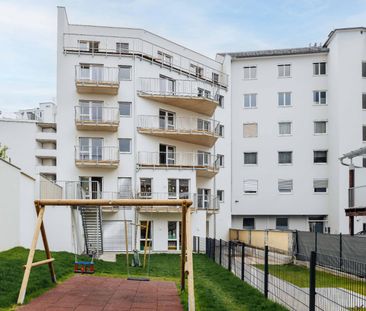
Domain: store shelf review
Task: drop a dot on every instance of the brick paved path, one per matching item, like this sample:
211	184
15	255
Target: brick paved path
91	293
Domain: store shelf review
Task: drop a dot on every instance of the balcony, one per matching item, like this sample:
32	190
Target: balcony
191	95
96	80
46	137
186	129
205	164
97	118
45	153
96	157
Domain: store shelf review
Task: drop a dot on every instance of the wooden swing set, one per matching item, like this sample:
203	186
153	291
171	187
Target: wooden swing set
186	250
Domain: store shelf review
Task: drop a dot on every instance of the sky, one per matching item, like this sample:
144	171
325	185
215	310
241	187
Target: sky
28	31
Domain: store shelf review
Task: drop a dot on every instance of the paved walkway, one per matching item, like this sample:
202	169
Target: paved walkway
92	293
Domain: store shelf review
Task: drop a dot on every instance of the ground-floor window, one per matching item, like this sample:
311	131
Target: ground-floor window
174	235
145	234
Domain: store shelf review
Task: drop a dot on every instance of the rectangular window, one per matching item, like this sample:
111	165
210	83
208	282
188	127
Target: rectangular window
124	73
250	186
320	156
145	235
284	99
166	154
197	70
91	148
250	100
145	187
215	78
221	130
364	133
250	72
285	157
320	127
284	70
319	69
89	46
203	196
124	145
282	223
364	161
364	101
363	69
285	185
165	58
320	97
248	223
122	47
250	158
284	128
220	100
173	235
124	109
320	185
250	130
220	195
221	160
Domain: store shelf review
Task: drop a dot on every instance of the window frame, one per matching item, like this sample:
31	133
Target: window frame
285	163
283	228
320	150
320	192
221	158
250	123
285	105
250	96
119	110
319	74
314	127
285	180
279	128
250	71
319	103
125	67
221	198
284	66
251	192
250	227
256	158
130	145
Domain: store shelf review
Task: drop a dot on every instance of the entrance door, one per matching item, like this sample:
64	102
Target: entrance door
166	120
91	72
91	110
167	85
166	154
91	148
91	187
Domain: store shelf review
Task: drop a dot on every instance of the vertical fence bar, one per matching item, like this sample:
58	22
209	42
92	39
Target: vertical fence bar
229	253
214	250
220	252
312	282
297	242
198	246
206	250
242	261
340	251
316	242
266	271
194	244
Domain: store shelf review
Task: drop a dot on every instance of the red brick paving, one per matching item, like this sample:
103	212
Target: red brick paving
92	293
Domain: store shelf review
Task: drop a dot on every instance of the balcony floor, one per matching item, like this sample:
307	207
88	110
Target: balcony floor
93	126
96	164
97	88
201	170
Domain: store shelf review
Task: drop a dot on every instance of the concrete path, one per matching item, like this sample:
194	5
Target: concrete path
92	293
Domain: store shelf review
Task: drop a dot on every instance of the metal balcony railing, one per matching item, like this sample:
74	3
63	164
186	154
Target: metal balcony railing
357	197
179	124
96	75
179	159
94	115
96	154
178	88
132	46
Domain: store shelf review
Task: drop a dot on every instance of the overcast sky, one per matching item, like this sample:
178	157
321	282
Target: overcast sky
28	31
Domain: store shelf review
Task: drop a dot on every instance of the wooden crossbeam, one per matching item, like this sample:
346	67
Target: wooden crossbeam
41	262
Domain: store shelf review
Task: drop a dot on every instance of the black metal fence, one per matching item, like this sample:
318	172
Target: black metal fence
315	286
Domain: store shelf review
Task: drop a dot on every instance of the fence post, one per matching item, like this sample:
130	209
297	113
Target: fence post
316	242
194	244
242	261
207	250
312	284
340	251
229	263
297	241
198	245
214	249
266	271
220	251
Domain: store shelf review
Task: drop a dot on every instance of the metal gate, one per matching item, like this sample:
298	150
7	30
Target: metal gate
114	236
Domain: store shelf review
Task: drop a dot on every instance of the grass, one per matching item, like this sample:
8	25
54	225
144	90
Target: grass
215	287
299	276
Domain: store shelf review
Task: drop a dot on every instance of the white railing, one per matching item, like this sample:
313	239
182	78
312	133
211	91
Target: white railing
96	75
357	197
181	159
97	154
96	115
182	88
108	46
179	124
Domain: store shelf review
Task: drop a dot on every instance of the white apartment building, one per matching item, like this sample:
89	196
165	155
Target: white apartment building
31	139
294	113
139	115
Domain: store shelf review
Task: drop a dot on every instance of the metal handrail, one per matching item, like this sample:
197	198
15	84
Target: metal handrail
96	154
96	74
97	115
179	124
140	47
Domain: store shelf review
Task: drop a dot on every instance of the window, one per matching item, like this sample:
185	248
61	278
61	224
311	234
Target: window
220	158
221	130
124	185
284	70
364	161
203	93
124	109
197	70
220	100
320	97
165	58
320	185
122	47
364	133
250	158
285	185
364	101
320	127
178	188
145	187
250	130
203	196
90	148
250	72
173	235
166	154
285	157
319	69
250	100
320	156
363	69
166	85
124	73
220	195
215	78
145	235
284	128
249	223
284	99
250	186
124	145
282	223
89	46
167	121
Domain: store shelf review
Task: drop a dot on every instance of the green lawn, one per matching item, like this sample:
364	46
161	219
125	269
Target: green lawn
299	275
215	287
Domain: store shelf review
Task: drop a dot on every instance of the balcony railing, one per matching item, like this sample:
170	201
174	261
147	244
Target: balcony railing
97	118
357	197
188	129
96	79
131	46
95	156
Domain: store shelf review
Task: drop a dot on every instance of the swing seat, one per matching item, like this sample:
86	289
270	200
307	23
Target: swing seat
84	267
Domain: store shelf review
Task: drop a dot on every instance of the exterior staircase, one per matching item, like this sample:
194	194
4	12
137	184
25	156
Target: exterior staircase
92	225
